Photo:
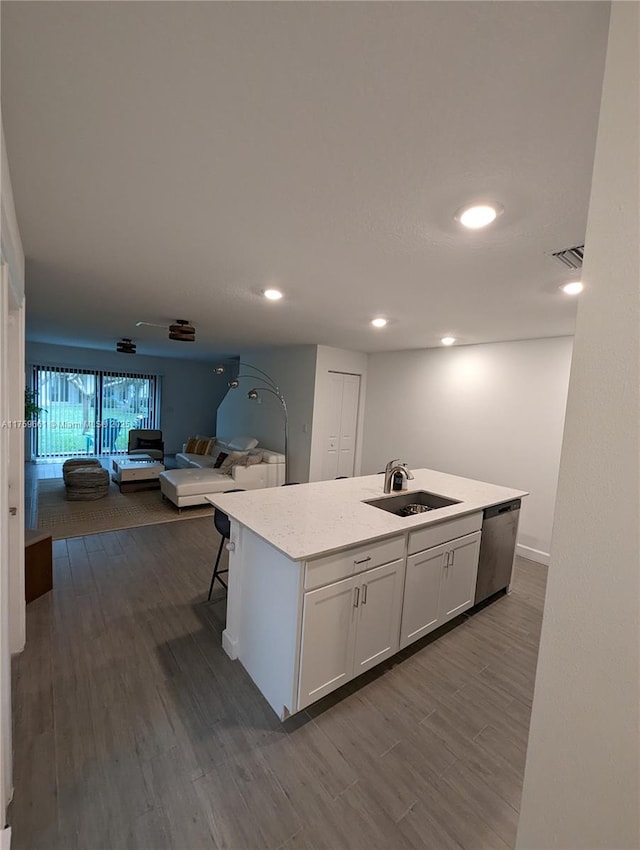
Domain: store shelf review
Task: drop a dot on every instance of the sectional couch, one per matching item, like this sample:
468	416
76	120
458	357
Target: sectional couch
244	466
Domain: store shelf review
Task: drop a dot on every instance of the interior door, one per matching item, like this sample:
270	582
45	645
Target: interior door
332	425
328	631
459	577
422	593
380	608
341	424
348	424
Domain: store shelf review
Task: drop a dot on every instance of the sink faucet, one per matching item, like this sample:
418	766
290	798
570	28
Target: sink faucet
390	470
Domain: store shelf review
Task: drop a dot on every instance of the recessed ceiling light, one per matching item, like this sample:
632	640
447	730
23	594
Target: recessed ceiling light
273	294
379	322
574	288
448	340
478	215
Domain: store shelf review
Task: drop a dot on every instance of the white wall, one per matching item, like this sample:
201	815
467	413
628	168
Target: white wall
335	360
191	392
582	787
490	412
12	604
293	368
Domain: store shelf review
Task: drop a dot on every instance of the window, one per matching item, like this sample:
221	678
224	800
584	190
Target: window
88	412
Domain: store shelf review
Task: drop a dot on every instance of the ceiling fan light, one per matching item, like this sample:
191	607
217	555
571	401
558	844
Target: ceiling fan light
125	346
182	331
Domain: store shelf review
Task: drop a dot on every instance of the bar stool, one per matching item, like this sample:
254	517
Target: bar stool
223	526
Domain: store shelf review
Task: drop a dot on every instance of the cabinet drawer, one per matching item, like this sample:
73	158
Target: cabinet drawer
434	535
348	562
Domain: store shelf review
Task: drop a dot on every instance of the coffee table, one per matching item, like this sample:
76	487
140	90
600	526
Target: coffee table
137	472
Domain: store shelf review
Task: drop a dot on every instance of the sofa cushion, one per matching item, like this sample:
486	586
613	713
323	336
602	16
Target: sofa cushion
193	482
272	457
190	445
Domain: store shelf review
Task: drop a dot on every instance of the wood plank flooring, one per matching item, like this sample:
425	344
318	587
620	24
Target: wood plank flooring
134	730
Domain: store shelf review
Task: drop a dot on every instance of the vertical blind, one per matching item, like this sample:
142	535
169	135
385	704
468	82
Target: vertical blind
86	412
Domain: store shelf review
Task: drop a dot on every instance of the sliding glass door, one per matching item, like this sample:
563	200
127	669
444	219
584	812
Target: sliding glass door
87	412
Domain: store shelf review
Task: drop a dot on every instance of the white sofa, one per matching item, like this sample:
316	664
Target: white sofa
196	476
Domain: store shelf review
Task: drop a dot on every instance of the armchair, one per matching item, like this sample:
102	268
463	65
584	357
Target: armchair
146	441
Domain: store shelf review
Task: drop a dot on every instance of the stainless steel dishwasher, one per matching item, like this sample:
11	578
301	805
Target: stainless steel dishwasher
497	548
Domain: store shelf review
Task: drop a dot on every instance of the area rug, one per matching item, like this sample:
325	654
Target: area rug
117	510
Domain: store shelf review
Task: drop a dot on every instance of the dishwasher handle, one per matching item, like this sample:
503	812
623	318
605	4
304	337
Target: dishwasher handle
504	508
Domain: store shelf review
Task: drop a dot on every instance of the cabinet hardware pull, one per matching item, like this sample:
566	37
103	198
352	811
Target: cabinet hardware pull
364	594
356	597
453	554
446	558
363	560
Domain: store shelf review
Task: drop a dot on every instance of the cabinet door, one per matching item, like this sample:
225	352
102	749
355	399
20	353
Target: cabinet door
422	593
379	611
328	633
459	576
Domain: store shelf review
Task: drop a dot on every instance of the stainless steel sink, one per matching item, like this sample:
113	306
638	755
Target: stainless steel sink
409	504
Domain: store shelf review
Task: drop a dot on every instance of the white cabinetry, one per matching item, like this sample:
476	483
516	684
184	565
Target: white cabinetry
328	637
379	612
459	577
439	584
348	627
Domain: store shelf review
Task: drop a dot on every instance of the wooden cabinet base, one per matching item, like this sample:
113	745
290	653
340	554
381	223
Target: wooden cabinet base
38	564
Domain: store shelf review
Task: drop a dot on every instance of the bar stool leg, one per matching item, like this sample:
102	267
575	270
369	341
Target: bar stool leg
215	570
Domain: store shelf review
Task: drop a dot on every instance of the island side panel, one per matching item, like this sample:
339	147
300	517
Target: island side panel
269	628
230	635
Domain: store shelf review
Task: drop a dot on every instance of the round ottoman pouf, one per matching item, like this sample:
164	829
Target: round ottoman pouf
75	462
86	483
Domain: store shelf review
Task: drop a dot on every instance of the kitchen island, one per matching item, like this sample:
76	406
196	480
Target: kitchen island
323	586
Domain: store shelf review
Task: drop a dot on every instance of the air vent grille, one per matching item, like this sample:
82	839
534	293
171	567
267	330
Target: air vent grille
571	257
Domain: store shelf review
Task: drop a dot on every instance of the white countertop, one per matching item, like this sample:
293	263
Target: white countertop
307	520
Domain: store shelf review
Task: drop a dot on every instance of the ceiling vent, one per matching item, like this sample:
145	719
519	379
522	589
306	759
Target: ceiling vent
182	331
125	346
571	257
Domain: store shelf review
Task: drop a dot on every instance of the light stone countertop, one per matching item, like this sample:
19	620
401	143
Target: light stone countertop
307	520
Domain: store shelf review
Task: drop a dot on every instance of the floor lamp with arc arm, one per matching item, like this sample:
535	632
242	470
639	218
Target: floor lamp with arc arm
270	386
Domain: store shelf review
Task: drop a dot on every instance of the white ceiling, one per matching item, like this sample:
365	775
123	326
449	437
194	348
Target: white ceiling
170	160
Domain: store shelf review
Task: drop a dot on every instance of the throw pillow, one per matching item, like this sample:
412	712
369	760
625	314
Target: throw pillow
202	447
191	445
222	456
251	459
149	444
231	459
242	444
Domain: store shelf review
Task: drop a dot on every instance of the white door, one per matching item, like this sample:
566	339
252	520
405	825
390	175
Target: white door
5	658
422	593
328	632
348	424
459	576
380	608
341	424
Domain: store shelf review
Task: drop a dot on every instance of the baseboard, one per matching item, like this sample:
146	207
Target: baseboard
5	838
533	554
230	645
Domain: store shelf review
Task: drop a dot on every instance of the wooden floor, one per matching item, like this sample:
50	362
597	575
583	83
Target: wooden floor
134	730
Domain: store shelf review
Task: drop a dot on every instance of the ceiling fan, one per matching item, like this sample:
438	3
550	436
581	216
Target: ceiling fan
181	330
